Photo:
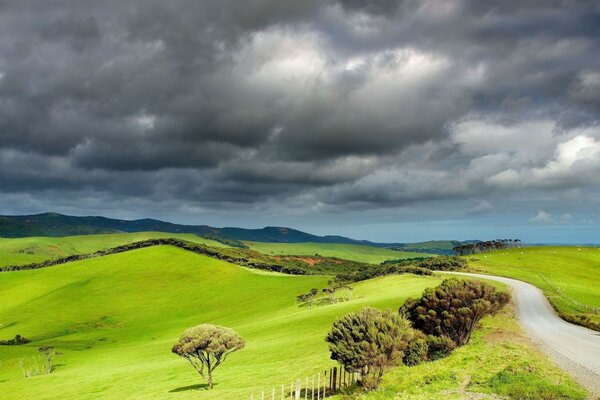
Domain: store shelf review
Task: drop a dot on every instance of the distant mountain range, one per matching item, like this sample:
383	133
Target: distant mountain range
54	224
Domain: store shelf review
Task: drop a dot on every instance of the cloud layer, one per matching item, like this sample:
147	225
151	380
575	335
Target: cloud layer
300	107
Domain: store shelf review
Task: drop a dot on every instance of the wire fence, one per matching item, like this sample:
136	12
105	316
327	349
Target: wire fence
314	387
561	293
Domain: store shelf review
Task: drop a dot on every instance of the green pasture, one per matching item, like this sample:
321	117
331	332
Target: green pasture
35	249
569	276
115	318
366	254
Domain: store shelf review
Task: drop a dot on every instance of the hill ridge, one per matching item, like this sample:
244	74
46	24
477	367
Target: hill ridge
58	225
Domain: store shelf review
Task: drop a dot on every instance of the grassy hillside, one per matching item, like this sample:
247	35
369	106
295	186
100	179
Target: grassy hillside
569	276
444	247
35	249
366	254
115	318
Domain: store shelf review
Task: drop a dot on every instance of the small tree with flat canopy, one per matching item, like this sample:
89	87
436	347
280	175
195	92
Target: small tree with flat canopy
206	347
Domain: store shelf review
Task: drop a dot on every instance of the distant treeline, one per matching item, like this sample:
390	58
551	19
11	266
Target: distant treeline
486	247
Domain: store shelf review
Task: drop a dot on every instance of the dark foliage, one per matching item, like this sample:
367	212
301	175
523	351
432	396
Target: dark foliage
18	340
417	350
454	308
381	270
443	263
439	347
486	247
369	341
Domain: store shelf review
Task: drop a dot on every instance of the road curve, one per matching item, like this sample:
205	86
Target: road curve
574	348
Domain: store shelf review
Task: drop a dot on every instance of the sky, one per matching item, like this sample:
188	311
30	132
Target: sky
375	119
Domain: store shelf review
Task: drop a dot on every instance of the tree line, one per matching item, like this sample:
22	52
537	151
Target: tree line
487	246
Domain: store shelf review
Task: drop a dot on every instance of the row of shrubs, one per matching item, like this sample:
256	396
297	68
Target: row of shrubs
416	266
182	244
371	341
17	341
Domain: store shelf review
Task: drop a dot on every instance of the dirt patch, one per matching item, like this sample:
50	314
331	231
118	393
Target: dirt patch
506	337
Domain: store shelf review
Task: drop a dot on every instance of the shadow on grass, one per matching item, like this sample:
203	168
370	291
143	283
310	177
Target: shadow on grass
191	387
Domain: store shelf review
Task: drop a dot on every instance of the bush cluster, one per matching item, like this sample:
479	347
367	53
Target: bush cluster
443	263
382	270
426	329
18	340
454	308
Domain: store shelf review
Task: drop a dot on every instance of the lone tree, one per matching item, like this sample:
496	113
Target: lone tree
370	341
206	347
454	308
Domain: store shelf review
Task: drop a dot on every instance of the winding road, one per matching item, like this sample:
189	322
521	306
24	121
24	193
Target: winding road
574	348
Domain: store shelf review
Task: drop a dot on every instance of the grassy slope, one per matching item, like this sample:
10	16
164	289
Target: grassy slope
35	249
359	253
575	271
116	317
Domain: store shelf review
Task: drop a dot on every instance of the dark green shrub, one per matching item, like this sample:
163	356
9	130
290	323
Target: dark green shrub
443	263
439	347
454	308
18	340
417	351
368	342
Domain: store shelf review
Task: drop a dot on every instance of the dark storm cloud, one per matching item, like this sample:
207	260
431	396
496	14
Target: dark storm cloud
303	103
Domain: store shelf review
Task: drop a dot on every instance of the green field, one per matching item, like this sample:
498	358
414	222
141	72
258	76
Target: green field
366	254
569	276
115	318
35	249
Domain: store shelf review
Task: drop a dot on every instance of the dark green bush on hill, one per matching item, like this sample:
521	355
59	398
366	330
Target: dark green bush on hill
443	263
370	341
18	340
454	308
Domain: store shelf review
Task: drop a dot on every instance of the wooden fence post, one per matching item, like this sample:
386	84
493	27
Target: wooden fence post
334	379
298	388
306	389
318	385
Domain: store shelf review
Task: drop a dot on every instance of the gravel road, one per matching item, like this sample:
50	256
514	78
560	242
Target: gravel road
574	348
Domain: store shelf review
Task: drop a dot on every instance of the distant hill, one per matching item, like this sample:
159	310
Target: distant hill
57	225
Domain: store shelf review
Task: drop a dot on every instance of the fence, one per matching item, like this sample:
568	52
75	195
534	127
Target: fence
317	386
576	303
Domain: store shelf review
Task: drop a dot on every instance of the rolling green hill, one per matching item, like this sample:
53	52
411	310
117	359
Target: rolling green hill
114	319
569	276
36	249
367	254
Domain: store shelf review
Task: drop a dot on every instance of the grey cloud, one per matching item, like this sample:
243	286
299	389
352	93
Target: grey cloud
374	102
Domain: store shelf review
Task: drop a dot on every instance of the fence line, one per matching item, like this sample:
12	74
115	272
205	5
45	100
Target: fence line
317	386
561	293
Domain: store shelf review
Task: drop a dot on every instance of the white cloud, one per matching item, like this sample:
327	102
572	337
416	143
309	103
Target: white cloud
542	217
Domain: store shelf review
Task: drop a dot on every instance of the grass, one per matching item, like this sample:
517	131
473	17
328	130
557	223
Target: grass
36	249
569	276
498	360
115	318
366	254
